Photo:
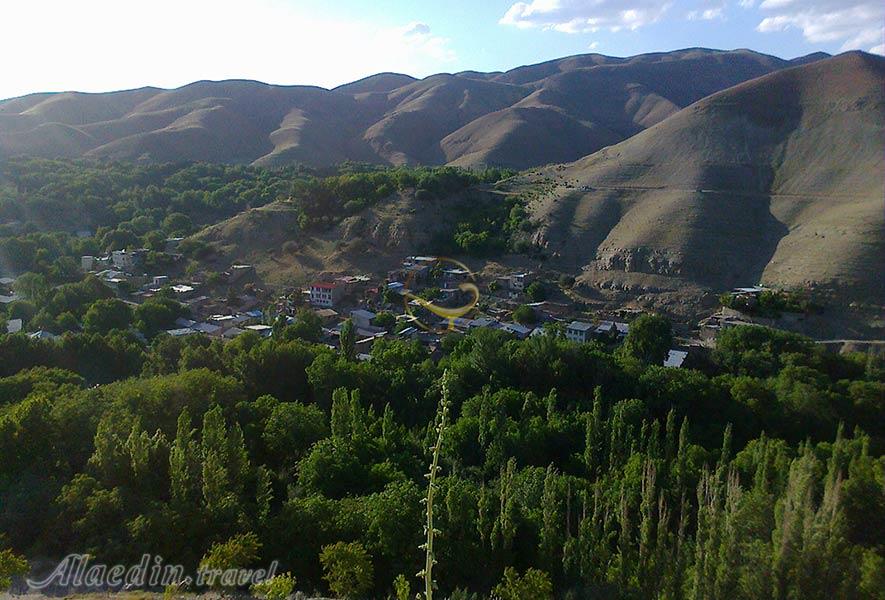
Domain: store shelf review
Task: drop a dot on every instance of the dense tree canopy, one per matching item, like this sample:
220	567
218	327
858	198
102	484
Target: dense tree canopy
563	464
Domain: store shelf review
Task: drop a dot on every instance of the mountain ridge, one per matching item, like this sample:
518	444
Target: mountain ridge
386	118
776	180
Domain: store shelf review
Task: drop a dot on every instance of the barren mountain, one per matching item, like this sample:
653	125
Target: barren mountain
550	112
780	180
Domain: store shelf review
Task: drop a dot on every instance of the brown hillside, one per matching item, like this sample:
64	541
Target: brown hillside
551	112
779	179
373	241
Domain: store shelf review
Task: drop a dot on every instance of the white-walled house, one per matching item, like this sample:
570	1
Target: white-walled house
579	331
325	294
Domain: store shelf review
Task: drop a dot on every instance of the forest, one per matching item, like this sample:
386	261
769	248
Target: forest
52	212
565	470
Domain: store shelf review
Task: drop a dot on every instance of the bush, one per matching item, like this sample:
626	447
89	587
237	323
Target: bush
536	292
277	588
11	565
385	319
533	584
347	568
524	315
238	552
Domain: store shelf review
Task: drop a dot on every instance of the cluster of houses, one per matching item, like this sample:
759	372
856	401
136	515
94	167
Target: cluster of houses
224	326
123	271
335	298
581	331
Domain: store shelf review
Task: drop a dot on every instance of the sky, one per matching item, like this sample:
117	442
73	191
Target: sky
105	45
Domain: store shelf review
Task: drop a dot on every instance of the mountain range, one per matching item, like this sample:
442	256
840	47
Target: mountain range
780	180
556	111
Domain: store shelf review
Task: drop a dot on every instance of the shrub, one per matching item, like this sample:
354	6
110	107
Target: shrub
536	292
347	568
11	565
524	315
533	584
276	588
237	552
385	319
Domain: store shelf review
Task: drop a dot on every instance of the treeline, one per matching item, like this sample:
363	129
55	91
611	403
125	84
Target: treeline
771	303
69	195
54	211
759	474
324	201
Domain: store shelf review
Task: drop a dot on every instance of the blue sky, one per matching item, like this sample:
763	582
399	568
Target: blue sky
102	45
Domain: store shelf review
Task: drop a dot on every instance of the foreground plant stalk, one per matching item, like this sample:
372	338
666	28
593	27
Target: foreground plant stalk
429	531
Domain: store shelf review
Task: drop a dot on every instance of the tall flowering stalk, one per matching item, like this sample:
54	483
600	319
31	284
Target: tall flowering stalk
440	423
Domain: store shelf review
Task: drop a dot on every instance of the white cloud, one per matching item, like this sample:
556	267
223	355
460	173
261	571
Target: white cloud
592	45
576	16
857	24
416	28
420	39
706	15
101	45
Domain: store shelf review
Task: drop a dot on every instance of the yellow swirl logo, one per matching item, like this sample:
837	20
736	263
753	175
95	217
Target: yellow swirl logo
466	286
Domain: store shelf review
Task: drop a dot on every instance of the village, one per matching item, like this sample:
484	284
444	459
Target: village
406	304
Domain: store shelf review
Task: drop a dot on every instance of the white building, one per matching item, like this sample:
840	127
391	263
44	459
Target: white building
578	331
325	294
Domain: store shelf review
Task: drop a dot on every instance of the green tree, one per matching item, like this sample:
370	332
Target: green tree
33	287
348	340
385	319
536	291
178	224
105	315
184	463
307	326
157	314
533	584
524	314
347	568
649	340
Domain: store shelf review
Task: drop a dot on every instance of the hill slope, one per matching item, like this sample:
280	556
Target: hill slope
779	180
551	112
